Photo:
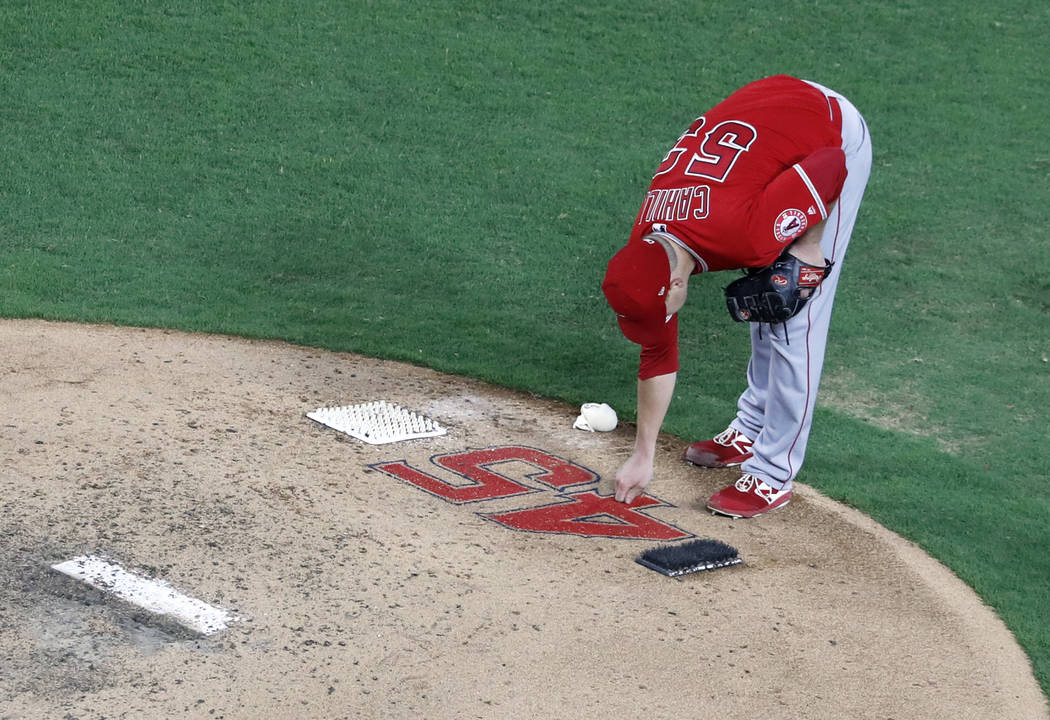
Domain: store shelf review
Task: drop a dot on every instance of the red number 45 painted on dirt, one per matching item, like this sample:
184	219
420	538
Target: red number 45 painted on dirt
580	512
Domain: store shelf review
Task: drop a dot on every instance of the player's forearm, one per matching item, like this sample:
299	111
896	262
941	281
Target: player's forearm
807	248
654	397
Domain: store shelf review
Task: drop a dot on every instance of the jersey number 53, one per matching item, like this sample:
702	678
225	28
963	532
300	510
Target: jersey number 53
713	155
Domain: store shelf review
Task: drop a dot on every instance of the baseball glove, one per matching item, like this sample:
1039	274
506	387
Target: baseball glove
776	293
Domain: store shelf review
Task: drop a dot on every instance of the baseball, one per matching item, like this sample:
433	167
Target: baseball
596	417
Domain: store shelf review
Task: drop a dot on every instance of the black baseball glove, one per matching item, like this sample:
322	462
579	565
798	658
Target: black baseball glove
776	293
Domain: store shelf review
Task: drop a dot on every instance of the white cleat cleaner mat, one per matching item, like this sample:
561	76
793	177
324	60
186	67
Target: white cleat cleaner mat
377	422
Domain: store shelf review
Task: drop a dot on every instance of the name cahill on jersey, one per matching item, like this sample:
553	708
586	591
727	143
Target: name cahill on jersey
675	204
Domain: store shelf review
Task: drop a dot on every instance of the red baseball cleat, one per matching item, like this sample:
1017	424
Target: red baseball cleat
748	497
728	449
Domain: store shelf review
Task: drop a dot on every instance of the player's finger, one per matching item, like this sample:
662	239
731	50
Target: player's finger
637	489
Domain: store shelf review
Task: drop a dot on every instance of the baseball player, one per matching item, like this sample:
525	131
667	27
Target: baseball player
770	181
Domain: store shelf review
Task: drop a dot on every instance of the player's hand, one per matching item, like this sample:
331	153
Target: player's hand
633	478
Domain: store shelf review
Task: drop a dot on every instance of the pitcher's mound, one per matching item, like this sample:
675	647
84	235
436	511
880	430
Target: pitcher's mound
480	573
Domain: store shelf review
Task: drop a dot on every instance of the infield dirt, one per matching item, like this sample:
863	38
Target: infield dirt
365	588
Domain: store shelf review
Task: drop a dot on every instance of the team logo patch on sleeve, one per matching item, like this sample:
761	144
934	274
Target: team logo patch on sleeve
790	224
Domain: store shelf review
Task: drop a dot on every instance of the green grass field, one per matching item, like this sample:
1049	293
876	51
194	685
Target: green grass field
443	183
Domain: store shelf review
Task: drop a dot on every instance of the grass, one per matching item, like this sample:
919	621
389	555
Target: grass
443	184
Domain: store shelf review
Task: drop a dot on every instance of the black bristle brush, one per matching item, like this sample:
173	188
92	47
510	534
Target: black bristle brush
689	557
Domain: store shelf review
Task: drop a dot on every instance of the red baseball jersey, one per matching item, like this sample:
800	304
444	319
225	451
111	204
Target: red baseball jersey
744	181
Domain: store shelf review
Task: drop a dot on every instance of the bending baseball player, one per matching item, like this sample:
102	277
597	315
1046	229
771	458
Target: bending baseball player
769	180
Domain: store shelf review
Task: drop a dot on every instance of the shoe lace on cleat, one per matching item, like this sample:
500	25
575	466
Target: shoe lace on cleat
748	483
732	438
725	437
745	483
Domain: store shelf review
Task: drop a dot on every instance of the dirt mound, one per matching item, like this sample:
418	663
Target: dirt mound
483	573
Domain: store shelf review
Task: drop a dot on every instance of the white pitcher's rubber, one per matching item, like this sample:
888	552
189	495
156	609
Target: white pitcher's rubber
156	596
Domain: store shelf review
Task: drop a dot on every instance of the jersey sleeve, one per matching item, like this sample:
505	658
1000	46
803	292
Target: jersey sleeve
660	359
796	199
